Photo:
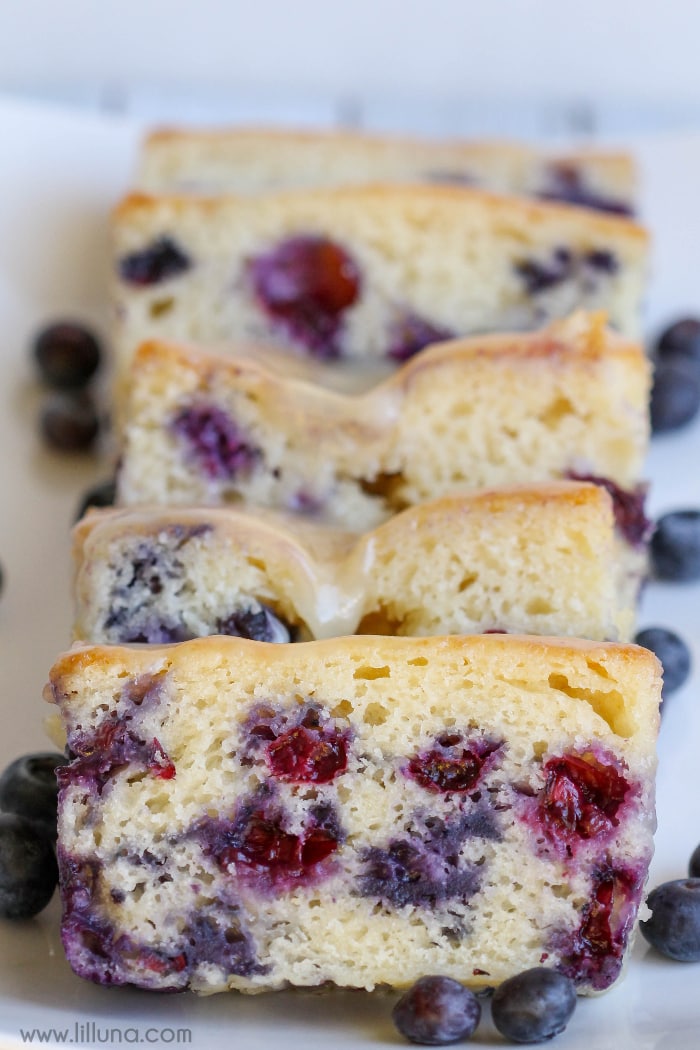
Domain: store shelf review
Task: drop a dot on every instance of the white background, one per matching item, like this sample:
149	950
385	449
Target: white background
540	66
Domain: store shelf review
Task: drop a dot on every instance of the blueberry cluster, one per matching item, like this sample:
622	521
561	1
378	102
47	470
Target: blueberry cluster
674	547
675	557
530	1007
67	356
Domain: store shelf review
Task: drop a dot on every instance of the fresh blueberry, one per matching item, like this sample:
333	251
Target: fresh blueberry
28	787
675	546
436	1011
28	869
694	865
155	263
671	651
675	394
674	926
681	338
101	495
67	355
534	1005
69	422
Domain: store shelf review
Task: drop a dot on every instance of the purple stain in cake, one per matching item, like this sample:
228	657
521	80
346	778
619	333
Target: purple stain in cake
628	508
305	502
92	946
302	746
261	625
453	764
425	868
155	263
540	275
99	953
258	846
113	746
409	334
419	870
151	631
215	441
566	183
593	953
602	260
141	693
451	178
216	938
147	569
305	284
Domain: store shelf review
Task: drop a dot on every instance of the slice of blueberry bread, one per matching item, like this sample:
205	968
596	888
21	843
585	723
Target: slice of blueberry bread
368	274
202	428
256	160
360	811
540	559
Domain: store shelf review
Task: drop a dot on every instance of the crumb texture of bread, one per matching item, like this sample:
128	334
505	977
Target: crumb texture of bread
369	274
201	428
359	811
258	160
541	559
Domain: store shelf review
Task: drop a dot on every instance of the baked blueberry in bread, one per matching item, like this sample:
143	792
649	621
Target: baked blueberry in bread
364	275
359	811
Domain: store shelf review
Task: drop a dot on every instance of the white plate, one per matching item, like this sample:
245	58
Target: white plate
60	174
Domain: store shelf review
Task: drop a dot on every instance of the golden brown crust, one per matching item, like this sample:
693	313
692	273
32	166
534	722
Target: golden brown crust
616	161
614	657
448	199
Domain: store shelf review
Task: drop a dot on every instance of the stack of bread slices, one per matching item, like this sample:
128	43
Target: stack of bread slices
354	699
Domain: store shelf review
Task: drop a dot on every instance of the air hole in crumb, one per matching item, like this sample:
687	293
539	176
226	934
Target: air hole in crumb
610	705
379	621
256	563
375	714
598	668
420	661
370	673
161	306
556	410
538	607
386	487
342	709
539	748
467	581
